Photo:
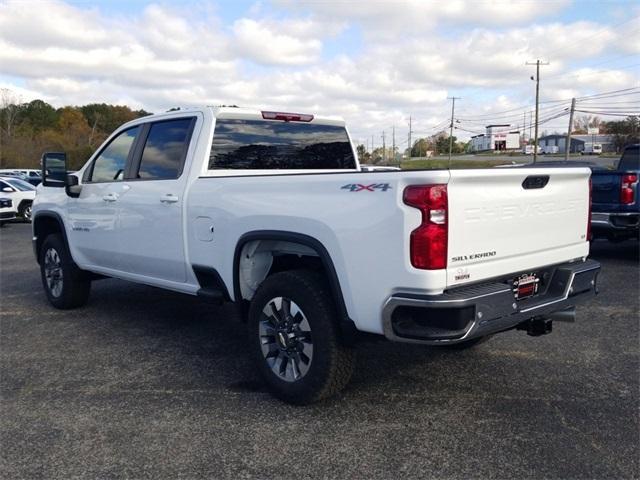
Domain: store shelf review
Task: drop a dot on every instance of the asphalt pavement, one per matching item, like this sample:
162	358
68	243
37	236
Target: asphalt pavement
143	383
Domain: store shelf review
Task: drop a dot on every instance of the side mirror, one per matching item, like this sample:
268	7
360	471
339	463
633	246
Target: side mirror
8	189
73	188
54	169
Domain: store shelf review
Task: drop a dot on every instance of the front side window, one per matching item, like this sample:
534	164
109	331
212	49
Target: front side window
110	164
261	144
165	149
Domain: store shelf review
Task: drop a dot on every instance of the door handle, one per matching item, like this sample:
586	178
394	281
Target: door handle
110	197
169	198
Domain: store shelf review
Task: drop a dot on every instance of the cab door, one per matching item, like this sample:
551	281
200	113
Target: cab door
151	232
94	214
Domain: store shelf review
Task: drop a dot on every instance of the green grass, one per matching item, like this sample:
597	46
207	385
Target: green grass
435	164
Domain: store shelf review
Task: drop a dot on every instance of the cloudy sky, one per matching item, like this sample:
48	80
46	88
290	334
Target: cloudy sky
374	62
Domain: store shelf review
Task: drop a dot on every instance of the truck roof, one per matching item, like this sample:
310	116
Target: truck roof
241	113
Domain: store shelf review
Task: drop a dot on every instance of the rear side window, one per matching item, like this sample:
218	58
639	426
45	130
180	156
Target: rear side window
110	164
260	144
165	149
630	159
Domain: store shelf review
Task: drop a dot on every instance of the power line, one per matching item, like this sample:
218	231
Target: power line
453	109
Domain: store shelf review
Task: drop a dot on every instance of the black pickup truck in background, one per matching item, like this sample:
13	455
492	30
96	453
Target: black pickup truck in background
616	206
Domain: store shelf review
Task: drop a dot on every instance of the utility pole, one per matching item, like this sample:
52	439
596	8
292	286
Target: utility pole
384	149
393	149
410	132
371	147
530	123
524	125
453	109
537	80
567	142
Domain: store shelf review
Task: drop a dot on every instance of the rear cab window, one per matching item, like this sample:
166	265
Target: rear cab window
630	160
242	144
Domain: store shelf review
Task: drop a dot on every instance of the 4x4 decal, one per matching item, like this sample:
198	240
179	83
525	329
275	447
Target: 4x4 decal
357	187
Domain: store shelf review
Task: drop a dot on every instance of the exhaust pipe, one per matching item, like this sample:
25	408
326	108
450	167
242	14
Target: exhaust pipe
568	315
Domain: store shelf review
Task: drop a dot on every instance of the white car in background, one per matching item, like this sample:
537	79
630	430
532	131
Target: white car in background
7	210
20	192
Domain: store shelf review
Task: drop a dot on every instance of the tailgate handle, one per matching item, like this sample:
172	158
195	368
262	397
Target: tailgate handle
535	181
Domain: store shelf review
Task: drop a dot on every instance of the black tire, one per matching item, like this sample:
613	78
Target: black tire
56	264
328	370
468	344
25	211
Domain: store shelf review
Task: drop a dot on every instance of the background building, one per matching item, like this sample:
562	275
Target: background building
497	138
577	142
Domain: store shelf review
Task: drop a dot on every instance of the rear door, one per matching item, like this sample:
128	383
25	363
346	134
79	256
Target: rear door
150	232
508	220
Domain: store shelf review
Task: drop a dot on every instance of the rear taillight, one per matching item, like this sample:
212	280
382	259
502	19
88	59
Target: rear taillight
428	243
628	188
589	216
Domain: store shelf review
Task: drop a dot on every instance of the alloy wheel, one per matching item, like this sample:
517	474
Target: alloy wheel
53	272
285	338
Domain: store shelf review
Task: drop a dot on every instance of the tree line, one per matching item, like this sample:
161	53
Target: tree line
27	129
437	144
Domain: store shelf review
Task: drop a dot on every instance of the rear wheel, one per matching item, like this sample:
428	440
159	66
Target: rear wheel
295	339
65	285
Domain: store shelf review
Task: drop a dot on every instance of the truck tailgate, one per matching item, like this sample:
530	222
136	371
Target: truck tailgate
509	220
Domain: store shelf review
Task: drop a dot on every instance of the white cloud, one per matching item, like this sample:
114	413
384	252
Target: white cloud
414	15
408	58
271	44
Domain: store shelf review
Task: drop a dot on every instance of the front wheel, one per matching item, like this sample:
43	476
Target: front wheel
25	211
65	285
295	339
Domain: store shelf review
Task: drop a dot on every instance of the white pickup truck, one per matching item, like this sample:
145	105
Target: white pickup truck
271	211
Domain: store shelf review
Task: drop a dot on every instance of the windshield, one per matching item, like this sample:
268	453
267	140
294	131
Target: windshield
19	184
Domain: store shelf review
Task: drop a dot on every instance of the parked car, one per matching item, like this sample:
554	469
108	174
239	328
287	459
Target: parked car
271	211
591	149
7	210
529	149
616	202
21	192
30	176
550	149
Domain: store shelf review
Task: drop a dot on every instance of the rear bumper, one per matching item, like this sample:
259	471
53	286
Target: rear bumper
616	222
470	312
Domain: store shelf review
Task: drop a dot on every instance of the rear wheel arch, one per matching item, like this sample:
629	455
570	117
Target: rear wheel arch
308	247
